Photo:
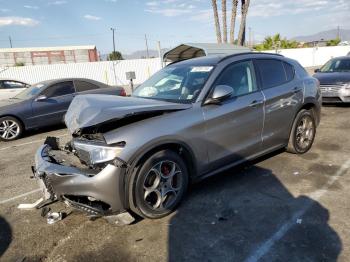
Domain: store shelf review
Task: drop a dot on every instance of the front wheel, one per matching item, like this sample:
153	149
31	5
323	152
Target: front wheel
10	128
303	133
160	184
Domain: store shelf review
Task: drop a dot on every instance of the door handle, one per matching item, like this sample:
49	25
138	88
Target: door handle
255	103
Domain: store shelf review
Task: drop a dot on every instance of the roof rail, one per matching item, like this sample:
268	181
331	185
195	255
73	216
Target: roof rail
249	53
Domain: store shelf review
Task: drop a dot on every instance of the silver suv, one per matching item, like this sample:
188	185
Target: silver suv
193	119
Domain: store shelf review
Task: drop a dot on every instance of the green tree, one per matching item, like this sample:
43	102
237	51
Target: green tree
276	42
333	42
115	56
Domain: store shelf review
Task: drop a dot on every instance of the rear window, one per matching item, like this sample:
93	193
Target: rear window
272	72
289	71
85	86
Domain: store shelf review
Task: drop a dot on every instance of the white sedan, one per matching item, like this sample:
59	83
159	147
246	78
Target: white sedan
10	88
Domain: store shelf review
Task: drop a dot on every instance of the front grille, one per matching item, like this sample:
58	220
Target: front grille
331	100
331	90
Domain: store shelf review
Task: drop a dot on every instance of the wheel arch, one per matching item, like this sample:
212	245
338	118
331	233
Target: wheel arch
184	151
14	116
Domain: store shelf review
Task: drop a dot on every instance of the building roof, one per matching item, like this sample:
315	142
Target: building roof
43	49
192	50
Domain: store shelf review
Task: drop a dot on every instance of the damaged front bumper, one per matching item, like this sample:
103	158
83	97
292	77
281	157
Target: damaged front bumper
99	193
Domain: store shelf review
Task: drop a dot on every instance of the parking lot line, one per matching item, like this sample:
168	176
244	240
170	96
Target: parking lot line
265	247
19	196
28	143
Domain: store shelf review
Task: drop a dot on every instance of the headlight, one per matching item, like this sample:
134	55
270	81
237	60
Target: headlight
95	153
345	91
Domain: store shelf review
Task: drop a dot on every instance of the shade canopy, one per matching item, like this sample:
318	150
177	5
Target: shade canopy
192	50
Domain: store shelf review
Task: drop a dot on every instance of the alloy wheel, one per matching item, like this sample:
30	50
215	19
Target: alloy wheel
9	129
162	185
305	132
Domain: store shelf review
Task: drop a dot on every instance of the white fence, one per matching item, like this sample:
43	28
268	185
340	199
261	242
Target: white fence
315	56
113	72
109	72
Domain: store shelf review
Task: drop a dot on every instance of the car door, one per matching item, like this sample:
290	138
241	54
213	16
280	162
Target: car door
283	94
51	105
10	88
233	128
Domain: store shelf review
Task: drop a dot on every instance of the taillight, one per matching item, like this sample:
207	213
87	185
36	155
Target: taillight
122	92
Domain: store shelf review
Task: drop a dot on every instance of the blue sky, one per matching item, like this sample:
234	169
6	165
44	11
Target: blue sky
80	22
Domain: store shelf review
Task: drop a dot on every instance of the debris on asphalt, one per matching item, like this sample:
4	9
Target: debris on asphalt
296	173
299	221
54	217
45	211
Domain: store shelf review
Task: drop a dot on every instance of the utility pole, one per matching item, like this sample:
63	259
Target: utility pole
338	32
10	41
147	46
250	37
113	29
160	54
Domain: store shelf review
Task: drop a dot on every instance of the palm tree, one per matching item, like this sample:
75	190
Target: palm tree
224	21
241	34
217	23
233	20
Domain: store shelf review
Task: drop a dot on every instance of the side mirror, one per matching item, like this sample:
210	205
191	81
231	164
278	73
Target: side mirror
317	70
41	98
220	93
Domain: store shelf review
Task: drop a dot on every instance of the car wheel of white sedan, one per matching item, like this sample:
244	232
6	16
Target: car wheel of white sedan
10	128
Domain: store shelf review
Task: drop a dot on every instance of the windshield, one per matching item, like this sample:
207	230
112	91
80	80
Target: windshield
30	91
181	84
336	65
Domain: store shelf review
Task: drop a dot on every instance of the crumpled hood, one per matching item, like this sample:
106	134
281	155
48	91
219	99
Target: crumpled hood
91	110
333	78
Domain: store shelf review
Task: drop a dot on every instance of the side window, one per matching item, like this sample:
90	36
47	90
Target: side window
59	89
85	86
289	71
239	76
272	72
12	85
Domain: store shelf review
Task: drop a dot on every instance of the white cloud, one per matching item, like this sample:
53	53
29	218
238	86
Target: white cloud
170	8
4	10
16	20
92	17
169	11
58	2
153	3
31	7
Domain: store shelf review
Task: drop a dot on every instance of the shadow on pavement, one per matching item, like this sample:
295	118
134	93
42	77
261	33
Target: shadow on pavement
227	217
5	235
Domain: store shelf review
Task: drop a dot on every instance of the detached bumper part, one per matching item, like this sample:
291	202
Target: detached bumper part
97	194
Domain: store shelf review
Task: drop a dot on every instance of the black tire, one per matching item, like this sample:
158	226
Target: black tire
145	205
18	129
294	144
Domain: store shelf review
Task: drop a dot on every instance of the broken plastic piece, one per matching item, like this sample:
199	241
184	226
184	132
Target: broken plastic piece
299	221
296	173
120	219
54	217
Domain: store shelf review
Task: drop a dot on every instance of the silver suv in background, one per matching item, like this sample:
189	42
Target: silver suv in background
191	120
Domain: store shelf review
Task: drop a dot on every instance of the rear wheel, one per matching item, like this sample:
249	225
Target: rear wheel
10	128
160	184
303	133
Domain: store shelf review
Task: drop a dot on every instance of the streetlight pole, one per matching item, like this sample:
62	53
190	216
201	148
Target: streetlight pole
113	29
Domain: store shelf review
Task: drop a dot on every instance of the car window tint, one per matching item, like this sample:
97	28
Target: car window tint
59	89
289	71
13	85
239	76
272	72
85	86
